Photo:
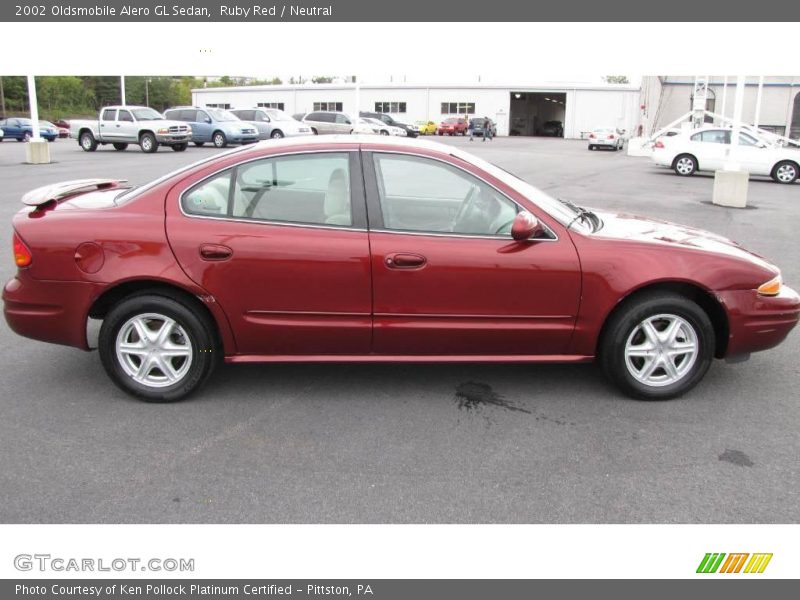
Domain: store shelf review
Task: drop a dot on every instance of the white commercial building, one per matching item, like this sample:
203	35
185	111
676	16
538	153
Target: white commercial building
517	109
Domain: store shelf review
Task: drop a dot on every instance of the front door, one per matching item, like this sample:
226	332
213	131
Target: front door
447	276
281	244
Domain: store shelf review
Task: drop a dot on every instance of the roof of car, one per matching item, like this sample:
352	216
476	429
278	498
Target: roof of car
354	139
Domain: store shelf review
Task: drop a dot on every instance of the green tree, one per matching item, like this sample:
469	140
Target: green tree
616	79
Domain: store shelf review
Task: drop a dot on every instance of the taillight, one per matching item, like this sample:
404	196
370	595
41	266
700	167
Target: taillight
591	136
22	255
659	144
611	136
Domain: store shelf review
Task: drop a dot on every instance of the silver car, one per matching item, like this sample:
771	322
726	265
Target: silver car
324	122
272	123
606	137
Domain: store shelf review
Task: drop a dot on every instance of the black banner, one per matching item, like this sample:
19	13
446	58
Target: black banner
407	11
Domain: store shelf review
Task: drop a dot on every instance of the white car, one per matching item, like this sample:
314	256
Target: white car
384	129
708	149
606	137
367	126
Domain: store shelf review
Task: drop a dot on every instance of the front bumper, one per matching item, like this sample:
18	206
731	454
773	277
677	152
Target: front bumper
171	139
758	322
239	138
49	311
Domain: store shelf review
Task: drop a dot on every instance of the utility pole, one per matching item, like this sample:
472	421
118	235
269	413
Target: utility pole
122	89
758	101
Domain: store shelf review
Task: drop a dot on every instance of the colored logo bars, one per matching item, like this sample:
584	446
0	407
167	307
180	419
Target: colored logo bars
733	563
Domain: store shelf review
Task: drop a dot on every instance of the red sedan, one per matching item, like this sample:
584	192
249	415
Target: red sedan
453	126
357	249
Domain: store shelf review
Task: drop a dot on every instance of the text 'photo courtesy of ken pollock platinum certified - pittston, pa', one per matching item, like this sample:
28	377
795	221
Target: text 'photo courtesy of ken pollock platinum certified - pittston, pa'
163	10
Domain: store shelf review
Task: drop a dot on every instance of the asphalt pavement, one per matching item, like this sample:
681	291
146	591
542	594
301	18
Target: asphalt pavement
406	443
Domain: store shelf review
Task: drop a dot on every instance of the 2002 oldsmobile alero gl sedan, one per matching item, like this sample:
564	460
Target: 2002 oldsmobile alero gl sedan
363	249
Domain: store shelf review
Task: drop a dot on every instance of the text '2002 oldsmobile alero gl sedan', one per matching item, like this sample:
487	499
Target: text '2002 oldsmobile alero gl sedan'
358	249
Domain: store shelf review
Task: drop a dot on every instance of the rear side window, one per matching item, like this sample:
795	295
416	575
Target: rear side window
209	197
716	136
109	114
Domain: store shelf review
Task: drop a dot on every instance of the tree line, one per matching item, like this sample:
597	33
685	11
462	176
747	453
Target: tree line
61	97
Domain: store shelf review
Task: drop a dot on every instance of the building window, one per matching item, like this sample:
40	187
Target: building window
278	105
218	105
458	108
390	107
337	106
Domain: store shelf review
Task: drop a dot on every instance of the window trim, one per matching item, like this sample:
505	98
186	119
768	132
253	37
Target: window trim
374	202
355	164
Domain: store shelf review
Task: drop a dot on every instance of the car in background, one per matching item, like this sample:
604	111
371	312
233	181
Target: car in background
290	252
60	131
552	129
62	123
385	129
368	127
121	126
328	122
21	129
452	126
426	127
606	137
216	125
410	129
271	122
2	134
708	149
477	127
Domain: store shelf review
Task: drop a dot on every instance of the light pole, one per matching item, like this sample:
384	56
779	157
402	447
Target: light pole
36	150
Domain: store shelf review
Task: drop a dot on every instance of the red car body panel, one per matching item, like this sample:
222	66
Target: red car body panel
324	293
457	128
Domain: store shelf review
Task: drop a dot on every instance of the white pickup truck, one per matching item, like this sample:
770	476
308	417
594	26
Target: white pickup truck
123	125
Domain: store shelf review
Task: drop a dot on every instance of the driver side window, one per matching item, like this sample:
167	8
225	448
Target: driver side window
426	195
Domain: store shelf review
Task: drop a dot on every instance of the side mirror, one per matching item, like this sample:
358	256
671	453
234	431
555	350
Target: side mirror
348	122
525	227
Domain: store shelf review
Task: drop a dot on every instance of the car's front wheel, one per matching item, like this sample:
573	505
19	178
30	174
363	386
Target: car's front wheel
157	348
657	346
276	134
685	165
148	143
219	140
785	172
180	147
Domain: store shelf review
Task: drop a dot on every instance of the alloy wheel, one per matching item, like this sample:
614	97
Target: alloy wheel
661	350
154	350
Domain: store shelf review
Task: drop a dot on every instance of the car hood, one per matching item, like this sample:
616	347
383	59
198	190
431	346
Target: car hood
159	123
634	228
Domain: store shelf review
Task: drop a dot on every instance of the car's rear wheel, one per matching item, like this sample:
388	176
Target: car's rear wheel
87	141
592	146
314	131
157	348
199	144
120	147
26	137
219	139
685	165
276	134
657	346
180	147
148	143
785	172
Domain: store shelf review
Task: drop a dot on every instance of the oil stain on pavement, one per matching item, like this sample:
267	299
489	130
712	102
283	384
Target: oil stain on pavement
472	396
736	457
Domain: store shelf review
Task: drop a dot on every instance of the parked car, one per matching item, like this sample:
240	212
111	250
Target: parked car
216	125
708	149
270	253
21	129
606	137
124	125
453	126
410	129
477	126
2	134
328	122
552	128
368	127
271	122
60	131
384	129
426	127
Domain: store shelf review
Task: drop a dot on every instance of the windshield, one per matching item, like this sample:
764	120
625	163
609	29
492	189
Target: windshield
222	115
46	124
147	114
278	115
558	210
452	120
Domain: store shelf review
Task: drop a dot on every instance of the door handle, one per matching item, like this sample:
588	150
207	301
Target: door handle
405	260
215	252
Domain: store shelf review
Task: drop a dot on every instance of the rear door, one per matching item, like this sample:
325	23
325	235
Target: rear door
281	244
107	124
711	148
448	278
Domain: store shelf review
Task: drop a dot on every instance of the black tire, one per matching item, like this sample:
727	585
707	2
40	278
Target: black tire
196	331
384	132
785	171
276	134
120	147
625	324
180	147
87	142
199	144
314	131
591	146
685	165
26	137
219	140
148	143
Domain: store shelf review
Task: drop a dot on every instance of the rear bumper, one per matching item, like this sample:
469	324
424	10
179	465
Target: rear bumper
49	311
759	322
662	158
